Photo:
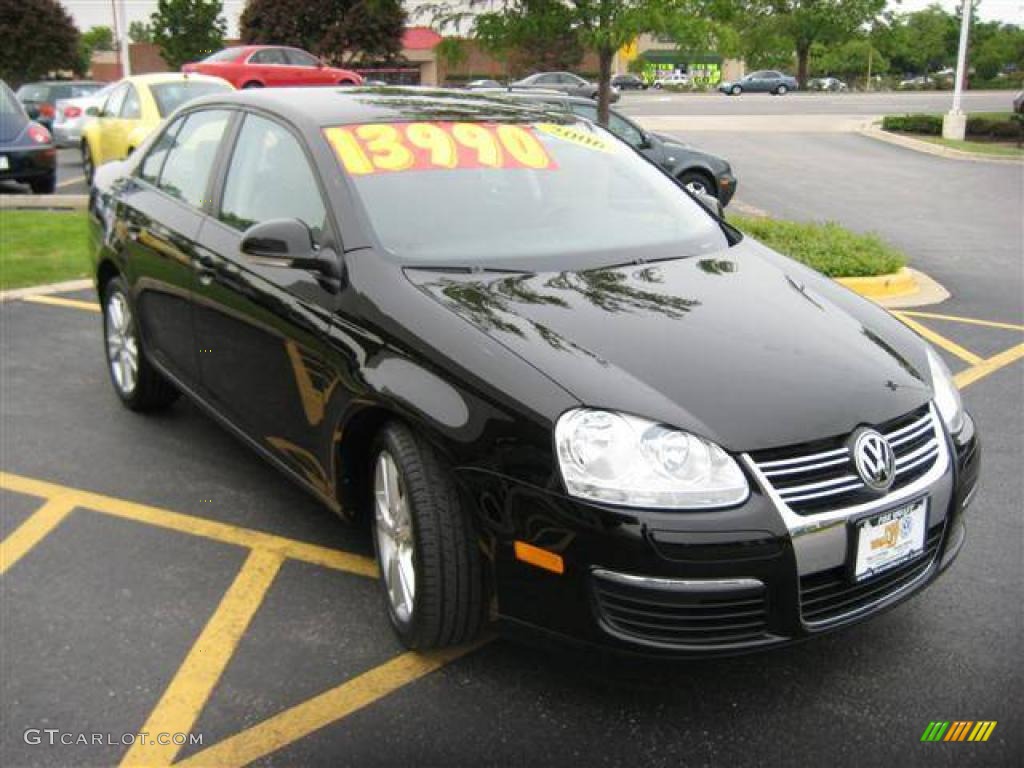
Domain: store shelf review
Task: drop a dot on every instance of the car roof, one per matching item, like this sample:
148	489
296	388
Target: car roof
347	105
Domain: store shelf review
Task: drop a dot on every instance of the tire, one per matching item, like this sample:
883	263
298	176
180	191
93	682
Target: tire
422	534
657	86
141	389
88	166
781	90
346	83
252	84
44	186
735	91
697	181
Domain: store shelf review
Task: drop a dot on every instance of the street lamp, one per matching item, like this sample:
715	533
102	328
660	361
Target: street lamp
954	123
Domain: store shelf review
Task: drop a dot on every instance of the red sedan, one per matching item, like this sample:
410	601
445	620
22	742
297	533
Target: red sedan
258	66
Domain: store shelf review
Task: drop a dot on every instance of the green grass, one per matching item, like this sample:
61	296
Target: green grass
1004	149
38	247
829	248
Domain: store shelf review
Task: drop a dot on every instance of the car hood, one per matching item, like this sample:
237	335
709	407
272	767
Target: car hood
746	347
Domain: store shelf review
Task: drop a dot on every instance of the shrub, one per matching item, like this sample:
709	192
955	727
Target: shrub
930	125
988	126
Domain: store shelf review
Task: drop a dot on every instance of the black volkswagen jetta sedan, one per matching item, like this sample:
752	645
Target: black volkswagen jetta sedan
562	393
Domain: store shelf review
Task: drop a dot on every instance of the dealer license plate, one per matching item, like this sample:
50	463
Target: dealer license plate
890	538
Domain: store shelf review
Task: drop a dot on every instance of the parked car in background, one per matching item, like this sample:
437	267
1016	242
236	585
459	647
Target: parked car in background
700	172
915	83
27	154
133	109
762	81
566	82
485	83
71	117
271	66
629	83
40	99
833	84
679	79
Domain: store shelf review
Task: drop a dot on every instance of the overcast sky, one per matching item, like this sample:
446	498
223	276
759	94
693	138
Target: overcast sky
90	13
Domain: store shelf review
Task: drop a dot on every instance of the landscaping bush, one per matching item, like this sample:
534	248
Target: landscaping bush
829	248
987	126
930	125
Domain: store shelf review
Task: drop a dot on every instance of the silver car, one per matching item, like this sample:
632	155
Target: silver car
70	118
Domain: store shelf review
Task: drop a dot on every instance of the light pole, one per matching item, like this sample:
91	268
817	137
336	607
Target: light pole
954	124
121	36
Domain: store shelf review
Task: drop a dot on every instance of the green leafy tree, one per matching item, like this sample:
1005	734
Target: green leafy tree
533	34
850	60
341	31
140	32
38	37
187	30
806	22
602	26
99	39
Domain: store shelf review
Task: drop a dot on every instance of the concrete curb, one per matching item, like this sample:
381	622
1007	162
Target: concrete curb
44	202
874	131
43	290
900	290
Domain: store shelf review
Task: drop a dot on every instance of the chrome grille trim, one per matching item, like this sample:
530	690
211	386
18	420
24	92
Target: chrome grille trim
804	459
897	438
798	490
809	467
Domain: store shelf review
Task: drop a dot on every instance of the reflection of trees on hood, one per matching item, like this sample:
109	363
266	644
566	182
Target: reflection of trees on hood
496	305
612	291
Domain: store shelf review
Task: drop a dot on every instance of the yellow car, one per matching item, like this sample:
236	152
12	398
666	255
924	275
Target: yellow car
134	109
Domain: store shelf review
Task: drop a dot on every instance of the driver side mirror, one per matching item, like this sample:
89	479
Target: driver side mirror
288	243
94	112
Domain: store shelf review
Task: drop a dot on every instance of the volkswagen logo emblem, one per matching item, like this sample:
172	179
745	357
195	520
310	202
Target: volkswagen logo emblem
874	459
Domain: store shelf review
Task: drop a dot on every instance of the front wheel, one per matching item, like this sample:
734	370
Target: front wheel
429	562
88	165
137	383
698	183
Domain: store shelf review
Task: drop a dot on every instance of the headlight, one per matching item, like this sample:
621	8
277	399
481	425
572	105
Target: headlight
947	396
620	459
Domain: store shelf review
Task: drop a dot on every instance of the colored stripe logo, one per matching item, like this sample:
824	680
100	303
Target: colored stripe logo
959	730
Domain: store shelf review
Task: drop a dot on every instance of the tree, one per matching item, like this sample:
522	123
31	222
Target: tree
186	30
603	26
341	31
806	22
536	35
850	59
38	38
140	32
99	39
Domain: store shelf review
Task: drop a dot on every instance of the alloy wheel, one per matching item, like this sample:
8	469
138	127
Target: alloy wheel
122	346
395	540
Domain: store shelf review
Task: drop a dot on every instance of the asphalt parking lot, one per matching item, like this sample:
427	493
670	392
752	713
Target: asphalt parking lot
158	577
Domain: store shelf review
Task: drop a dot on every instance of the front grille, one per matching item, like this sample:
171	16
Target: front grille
666	613
828	595
817	476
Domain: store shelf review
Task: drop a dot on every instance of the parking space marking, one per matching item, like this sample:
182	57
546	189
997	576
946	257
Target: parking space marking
303	719
34	530
69	182
187	694
959	319
196	526
939	340
57	301
991	365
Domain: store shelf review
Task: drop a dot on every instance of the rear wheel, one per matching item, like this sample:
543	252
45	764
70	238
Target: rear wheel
781	90
252	84
44	186
429	562
736	90
137	383
88	165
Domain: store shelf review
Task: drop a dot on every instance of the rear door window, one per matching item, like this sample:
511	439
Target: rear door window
299	58
131	109
191	155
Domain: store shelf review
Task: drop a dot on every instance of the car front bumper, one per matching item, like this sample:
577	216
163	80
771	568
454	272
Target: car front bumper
683	585
26	164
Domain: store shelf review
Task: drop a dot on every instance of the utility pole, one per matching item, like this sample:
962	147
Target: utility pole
954	124
121	40
871	53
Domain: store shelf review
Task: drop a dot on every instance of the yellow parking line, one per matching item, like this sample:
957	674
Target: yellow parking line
991	365
57	301
187	694
196	526
320	711
34	530
958	319
941	341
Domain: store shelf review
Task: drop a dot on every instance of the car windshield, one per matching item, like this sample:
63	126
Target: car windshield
228	54
170	96
34	92
533	196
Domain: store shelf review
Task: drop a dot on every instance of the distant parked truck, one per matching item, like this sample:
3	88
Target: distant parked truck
268	66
